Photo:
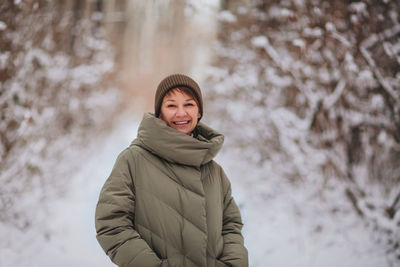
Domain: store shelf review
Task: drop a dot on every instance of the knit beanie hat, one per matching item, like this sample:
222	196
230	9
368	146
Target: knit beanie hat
172	82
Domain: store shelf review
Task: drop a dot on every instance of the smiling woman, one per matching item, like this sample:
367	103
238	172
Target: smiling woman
180	110
166	201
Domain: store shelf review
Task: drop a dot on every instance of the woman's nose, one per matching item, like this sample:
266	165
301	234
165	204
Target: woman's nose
181	111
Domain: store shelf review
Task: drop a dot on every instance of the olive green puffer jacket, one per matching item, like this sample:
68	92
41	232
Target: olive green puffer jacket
167	203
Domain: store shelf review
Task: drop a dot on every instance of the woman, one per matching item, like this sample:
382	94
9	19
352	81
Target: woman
166	202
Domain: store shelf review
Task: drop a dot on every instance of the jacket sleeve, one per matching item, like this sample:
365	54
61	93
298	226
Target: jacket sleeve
114	220
234	252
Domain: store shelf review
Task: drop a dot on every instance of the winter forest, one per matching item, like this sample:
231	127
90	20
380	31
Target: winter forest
306	92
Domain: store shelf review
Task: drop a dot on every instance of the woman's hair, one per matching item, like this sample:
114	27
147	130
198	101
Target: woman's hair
187	91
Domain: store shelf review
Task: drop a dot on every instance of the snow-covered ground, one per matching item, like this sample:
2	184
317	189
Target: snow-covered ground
71	240
291	226
279	219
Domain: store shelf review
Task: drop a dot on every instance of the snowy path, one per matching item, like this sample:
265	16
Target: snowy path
278	229
76	212
72	240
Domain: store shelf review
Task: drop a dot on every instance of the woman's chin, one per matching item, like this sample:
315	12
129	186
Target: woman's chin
184	130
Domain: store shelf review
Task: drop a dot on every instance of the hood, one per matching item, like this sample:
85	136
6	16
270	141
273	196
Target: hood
158	138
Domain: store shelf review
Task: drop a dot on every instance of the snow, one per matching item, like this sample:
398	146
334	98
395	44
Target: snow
313	32
227	16
304	222
288	226
201	10
277	80
3	26
359	7
280	13
259	41
280	219
68	221
295	213
3	59
299	42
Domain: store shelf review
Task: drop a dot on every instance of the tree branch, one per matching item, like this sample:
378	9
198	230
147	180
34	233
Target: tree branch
391	211
350	195
367	56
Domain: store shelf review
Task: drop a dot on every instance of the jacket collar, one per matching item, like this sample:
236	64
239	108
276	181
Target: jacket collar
158	138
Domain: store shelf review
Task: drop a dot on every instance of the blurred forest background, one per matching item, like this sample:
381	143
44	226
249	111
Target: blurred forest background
307	91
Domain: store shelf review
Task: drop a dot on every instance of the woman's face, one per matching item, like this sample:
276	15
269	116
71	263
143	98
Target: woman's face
180	111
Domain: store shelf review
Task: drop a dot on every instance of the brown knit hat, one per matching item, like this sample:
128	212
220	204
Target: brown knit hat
174	81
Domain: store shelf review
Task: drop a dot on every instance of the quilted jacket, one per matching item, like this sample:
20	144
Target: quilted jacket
167	203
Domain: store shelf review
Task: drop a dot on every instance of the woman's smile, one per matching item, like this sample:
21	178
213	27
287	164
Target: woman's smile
181	122
180	111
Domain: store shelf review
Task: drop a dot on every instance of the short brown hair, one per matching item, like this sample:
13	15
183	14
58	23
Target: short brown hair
185	90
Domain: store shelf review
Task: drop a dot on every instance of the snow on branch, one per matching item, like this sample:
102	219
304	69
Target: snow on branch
283	65
392	50
334	97
393	208
369	42
330	27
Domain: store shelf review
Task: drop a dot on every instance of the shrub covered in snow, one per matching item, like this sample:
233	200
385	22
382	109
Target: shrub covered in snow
55	67
311	90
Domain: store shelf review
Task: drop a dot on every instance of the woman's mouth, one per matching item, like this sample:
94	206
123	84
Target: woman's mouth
180	122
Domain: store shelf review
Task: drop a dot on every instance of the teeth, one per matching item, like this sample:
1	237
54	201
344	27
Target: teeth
180	122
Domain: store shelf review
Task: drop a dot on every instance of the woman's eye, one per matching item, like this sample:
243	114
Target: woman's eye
171	106
189	104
